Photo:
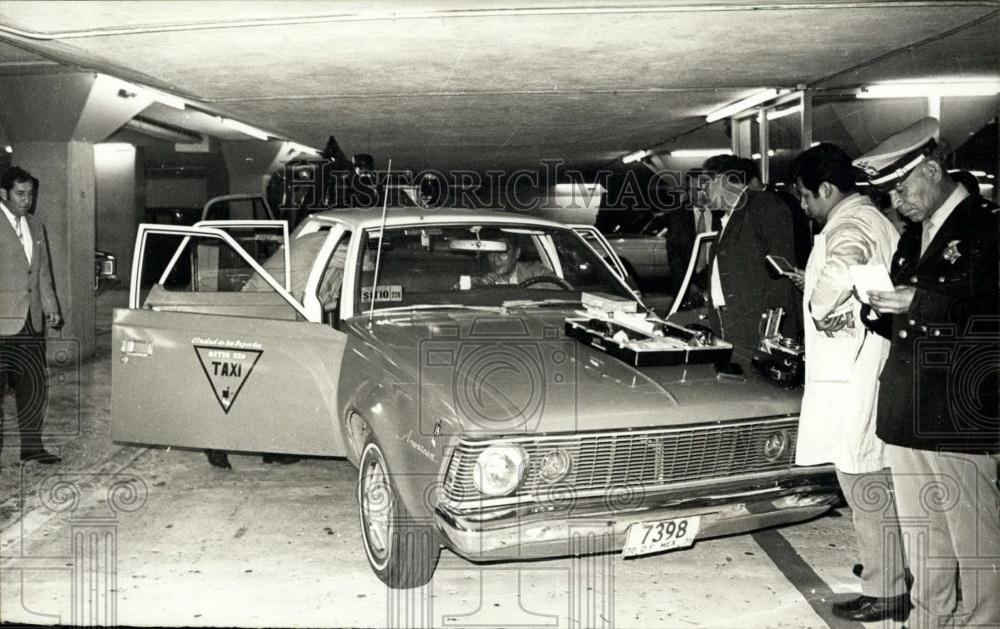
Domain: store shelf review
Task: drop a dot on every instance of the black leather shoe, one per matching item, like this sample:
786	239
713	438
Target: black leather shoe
872	609
284	459
218	458
40	456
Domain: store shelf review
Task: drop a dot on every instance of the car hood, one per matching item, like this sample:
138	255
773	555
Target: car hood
518	372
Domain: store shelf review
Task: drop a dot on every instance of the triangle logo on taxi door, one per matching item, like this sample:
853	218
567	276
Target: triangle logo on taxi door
227	370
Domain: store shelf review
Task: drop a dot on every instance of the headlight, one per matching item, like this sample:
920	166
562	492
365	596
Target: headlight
498	470
775	445
555	465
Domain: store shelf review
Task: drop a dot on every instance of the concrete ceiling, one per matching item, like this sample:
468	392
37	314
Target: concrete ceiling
495	84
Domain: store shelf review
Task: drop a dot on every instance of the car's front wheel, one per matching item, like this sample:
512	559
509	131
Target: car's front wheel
401	550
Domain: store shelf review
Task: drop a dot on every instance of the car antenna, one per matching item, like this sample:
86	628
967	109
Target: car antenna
378	252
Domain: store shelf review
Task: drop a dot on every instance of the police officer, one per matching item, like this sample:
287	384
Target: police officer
938	401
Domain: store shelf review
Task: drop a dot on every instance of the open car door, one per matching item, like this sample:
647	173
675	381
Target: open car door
688	305
220	355
600	244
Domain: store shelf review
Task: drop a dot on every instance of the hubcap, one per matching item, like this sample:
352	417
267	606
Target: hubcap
376	505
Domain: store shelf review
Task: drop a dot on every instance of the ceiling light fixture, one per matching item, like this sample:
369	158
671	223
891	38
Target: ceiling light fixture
246	129
699	152
636	156
753	100
781	113
572	188
127	89
301	148
904	89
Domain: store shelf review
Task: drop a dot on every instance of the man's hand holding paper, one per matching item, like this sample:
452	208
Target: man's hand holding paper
869	277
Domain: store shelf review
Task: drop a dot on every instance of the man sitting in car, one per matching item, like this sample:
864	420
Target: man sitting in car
506	266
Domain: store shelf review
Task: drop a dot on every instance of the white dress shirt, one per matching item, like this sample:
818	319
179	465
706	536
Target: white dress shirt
20	226
933	223
718	299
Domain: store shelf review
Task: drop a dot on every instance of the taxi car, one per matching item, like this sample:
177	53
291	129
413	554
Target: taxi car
476	420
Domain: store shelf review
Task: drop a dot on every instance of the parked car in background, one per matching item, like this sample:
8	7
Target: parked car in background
500	421
105	270
643	249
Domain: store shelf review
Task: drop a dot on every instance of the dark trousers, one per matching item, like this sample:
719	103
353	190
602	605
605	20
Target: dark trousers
22	364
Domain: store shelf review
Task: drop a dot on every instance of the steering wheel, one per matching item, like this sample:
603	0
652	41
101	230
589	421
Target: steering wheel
543	279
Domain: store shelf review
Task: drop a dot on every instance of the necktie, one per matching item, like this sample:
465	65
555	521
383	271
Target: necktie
703	251
20	236
926	235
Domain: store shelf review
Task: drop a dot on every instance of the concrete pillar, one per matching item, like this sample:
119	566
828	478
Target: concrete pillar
119	173
250	164
53	122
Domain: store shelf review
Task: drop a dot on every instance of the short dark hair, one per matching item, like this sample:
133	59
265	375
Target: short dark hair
751	169
16	174
730	166
829	163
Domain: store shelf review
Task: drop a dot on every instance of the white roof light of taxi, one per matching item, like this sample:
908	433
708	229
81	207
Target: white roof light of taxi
906	89
635	156
753	100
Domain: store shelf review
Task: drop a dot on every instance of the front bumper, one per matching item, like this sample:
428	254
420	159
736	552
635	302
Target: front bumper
590	525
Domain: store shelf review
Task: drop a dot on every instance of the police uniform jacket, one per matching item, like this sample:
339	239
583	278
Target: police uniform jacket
939	387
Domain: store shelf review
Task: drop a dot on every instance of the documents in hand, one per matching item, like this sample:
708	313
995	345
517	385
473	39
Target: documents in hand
868	277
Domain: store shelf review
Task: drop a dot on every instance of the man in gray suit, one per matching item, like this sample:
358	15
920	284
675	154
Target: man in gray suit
27	300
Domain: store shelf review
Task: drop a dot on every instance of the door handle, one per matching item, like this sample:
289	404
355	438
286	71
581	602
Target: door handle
132	347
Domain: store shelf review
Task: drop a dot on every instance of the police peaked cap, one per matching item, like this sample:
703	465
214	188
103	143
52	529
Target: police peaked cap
891	161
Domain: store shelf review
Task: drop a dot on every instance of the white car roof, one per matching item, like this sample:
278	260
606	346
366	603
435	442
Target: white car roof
369	218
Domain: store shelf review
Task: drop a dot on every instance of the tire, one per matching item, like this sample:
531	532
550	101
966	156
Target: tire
402	551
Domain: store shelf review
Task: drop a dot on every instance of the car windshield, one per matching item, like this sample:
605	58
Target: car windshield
480	265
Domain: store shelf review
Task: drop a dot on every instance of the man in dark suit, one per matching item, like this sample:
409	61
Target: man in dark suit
27	301
741	287
683	225
938	409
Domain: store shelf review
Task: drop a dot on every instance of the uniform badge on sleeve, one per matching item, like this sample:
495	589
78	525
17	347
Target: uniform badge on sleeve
951	254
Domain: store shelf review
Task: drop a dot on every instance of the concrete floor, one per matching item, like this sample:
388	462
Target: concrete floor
136	536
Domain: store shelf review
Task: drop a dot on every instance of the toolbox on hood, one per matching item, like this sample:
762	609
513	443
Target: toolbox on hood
642	342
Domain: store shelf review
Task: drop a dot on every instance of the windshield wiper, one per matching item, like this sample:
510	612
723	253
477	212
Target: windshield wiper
539	303
436	307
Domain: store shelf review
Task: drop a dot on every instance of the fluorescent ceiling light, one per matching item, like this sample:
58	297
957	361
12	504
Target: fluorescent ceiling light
244	128
750	101
301	148
131	89
570	188
974	173
636	156
699	152
781	113
903	89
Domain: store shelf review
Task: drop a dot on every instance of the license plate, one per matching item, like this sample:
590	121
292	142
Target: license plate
644	538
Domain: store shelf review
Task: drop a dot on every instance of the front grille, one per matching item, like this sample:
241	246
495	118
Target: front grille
634	461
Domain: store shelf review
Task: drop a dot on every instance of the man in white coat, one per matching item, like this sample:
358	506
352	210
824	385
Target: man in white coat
843	361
